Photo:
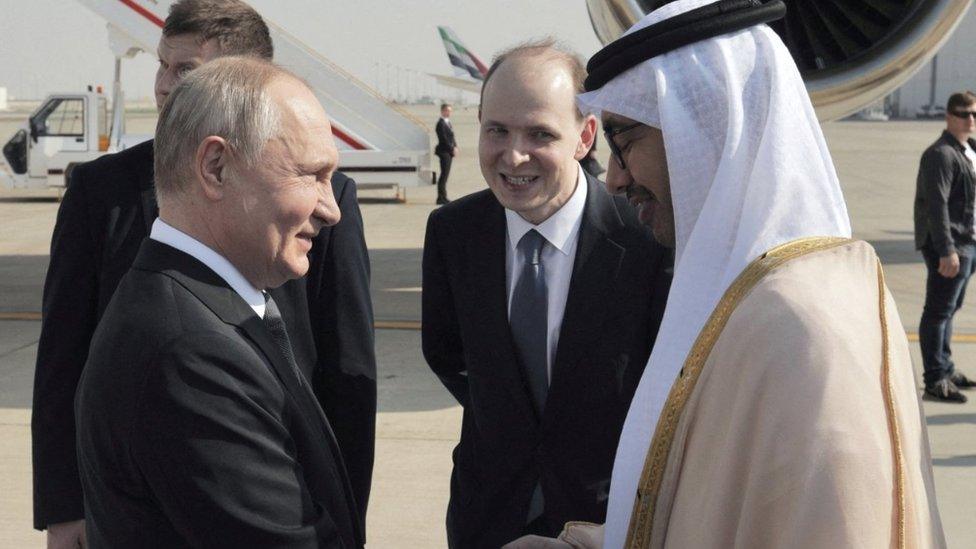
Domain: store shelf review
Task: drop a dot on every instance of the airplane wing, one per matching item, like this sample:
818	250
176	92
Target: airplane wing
465	84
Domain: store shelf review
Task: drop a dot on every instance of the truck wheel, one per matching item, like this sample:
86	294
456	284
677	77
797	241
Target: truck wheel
67	174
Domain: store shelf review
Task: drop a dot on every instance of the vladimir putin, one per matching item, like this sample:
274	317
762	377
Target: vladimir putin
195	425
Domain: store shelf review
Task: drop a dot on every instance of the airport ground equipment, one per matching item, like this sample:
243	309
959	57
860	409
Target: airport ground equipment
850	52
379	144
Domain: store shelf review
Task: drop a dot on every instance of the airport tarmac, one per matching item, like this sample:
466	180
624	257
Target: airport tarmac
418	421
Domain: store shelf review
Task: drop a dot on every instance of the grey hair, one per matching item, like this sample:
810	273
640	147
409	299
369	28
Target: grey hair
226	97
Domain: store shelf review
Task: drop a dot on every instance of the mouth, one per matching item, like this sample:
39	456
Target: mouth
518	181
637	195
306	237
643	201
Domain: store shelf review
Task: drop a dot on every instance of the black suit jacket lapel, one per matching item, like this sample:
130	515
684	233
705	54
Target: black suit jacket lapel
489	284
487	275
216	295
214	292
597	264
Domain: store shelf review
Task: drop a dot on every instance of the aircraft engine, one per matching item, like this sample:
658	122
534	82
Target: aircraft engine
850	52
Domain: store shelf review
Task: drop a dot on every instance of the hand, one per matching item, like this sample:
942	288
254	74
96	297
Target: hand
455	151
537	542
949	265
66	535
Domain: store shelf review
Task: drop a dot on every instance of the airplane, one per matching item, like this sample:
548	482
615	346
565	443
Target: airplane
469	70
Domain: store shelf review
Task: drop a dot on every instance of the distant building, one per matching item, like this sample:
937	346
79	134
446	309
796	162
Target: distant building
955	70
3	99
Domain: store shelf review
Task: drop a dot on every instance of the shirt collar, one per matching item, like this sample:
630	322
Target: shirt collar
951	139
171	236
561	226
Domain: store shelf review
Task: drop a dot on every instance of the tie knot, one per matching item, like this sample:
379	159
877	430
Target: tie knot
531	246
270	307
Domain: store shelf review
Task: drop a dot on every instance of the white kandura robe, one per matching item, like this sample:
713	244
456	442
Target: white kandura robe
785	439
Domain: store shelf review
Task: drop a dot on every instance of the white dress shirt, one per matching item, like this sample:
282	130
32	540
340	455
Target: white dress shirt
971	156
561	231
167	234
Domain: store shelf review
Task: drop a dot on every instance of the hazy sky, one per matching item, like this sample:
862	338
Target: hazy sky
59	45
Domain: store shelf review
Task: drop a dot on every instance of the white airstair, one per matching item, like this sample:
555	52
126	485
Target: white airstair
379	144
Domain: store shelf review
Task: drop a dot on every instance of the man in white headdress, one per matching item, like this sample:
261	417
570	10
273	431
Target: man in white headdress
779	406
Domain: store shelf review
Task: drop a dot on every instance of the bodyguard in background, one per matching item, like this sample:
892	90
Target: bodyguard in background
105	215
196	427
542	296
445	150
945	190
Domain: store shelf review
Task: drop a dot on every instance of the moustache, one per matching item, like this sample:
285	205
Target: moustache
635	191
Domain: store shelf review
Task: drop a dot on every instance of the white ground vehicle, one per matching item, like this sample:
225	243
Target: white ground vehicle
65	130
379	144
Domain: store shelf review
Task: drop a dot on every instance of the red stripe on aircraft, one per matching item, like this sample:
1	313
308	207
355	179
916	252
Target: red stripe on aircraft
143	12
348	139
159	22
477	62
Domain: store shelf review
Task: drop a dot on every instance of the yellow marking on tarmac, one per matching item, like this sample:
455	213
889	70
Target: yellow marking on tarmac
415	325
396	325
379	324
20	316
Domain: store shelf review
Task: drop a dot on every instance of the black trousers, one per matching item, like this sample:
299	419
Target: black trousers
943	298
446	159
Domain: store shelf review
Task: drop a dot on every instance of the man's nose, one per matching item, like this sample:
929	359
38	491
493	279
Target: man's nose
326	208
618	179
516	153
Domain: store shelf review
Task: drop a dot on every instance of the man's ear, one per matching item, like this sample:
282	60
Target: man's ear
587	135
209	164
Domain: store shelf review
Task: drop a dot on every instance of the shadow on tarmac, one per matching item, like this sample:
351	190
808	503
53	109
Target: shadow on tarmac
896	252
951	419
22	283
956	461
29	199
395	283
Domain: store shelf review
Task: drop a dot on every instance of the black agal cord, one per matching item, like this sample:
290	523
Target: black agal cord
699	24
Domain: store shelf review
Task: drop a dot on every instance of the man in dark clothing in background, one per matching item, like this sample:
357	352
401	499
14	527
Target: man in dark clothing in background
944	231
446	150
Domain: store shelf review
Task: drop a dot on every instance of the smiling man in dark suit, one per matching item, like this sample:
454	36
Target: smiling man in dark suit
108	211
196	426
541	299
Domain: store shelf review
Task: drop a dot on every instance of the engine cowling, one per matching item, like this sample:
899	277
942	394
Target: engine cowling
850	52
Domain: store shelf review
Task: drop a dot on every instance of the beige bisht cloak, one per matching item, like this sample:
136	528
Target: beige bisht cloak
796	420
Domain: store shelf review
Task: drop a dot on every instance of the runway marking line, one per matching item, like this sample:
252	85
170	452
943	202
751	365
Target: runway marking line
414	325
379	324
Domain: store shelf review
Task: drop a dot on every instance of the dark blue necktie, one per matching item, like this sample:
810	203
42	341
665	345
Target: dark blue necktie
276	325
529	317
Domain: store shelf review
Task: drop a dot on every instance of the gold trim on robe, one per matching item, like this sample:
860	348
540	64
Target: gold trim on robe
641	524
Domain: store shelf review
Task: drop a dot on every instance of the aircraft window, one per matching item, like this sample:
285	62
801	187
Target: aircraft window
62	118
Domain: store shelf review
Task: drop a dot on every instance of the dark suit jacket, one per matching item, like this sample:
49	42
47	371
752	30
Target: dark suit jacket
944	191
106	213
616	298
194	430
445	138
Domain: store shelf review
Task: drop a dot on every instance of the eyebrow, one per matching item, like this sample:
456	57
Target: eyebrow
317	167
535	127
